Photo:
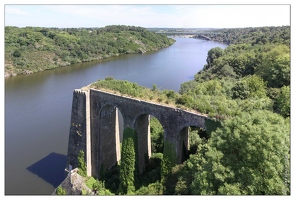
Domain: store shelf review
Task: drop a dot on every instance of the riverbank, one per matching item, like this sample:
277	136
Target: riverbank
35	49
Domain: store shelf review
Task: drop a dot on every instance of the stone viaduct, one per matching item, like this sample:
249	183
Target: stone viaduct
95	128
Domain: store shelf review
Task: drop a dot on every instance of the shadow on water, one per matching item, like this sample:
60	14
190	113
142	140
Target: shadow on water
50	168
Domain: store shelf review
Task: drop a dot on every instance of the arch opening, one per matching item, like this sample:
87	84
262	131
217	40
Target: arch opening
183	145
109	142
110	136
157	136
150	135
197	136
189	139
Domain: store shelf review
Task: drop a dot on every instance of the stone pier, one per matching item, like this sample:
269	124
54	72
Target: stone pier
95	128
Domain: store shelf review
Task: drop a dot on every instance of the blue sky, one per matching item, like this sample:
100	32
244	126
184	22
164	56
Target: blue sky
147	15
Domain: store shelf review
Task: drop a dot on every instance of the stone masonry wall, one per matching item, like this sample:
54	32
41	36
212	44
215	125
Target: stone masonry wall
77	135
172	119
92	132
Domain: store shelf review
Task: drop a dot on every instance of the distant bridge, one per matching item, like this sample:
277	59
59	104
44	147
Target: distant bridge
95	128
204	37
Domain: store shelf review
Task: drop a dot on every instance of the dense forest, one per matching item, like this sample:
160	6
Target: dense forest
34	49
246	89
257	35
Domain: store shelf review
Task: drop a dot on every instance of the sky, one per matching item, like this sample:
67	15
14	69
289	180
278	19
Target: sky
147	15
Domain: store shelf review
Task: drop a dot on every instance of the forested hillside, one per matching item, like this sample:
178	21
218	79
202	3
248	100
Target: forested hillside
246	74
245	88
34	49
257	35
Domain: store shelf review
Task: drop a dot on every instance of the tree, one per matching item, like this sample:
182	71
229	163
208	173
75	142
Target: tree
61	191
257	86
240	90
194	166
227	71
157	135
127	166
249	87
99	188
284	102
249	154
188	87
81	164
213	54
275	67
152	189
195	140
211	87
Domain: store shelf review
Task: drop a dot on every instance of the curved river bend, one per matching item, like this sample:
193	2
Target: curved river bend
38	108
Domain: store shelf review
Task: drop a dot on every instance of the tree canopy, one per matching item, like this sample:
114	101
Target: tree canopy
249	154
33	49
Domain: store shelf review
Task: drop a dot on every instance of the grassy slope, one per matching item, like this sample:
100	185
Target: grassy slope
34	49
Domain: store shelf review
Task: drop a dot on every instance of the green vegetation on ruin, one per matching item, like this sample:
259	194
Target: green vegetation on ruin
126	88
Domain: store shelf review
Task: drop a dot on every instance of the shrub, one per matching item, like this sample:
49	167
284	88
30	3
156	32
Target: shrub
60	191
81	164
17	53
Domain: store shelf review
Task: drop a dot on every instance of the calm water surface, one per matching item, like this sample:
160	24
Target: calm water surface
38	108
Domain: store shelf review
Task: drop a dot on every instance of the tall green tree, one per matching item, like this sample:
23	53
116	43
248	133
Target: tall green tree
249	154
249	87
213	54
211	87
157	136
127	165
284	101
275	66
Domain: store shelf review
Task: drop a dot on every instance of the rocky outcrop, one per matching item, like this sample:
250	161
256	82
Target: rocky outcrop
74	184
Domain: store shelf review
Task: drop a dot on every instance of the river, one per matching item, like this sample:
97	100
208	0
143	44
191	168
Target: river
38	108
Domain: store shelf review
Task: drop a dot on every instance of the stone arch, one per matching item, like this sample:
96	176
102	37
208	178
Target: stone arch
142	128
149	112
121	117
102	112
183	144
